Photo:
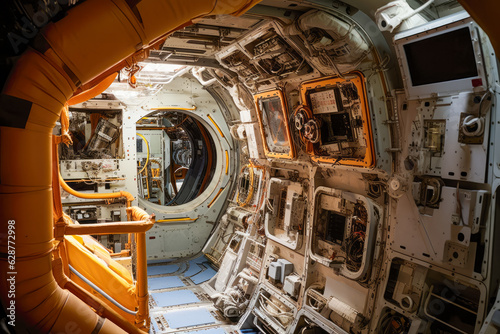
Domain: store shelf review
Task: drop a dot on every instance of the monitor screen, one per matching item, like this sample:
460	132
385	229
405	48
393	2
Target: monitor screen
441	58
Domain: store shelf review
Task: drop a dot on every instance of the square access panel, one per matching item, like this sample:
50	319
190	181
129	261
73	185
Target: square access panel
336	110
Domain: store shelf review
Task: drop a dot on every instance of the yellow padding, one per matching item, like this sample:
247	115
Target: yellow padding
93	261
98	249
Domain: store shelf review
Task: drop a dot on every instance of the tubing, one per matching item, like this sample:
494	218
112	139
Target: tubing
94	91
343	33
26	197
248	278
118	194
59	219
65	136
39	86
418	10
138	214
197	73
104	294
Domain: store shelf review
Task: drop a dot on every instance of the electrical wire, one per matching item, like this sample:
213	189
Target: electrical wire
311	301
473	126
488	92
181	167
418	10
266	304
393	324
354	251
147	148
250	188
316	307
354	244
269	205
132	71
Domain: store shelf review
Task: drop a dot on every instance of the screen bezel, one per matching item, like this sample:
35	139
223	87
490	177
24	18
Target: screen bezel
268	152
359	80
443	88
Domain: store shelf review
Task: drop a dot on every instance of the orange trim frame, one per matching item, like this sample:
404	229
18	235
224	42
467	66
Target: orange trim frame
268	152
216	196
358	79
217	126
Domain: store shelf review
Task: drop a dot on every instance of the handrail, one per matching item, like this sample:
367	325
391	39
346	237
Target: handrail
141	223
109	228
104	294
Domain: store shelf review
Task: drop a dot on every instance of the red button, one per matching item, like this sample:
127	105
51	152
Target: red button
477	82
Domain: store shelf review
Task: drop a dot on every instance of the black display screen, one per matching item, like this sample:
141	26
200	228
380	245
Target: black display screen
335	127
335	228
446	57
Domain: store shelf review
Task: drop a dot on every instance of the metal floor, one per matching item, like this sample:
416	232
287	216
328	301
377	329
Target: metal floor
178	302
